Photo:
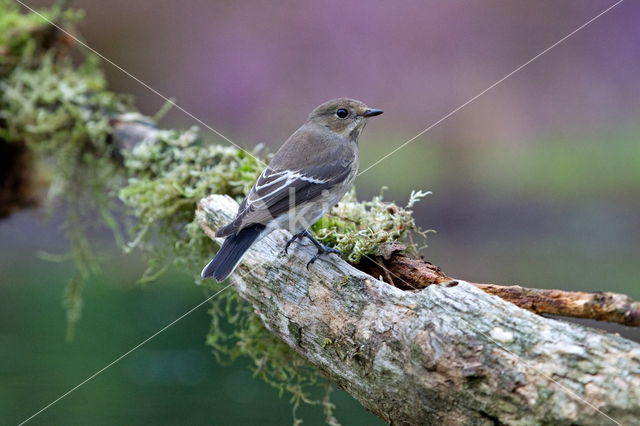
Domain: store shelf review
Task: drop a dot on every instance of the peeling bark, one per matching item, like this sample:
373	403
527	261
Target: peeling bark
445	354
410	273
600	306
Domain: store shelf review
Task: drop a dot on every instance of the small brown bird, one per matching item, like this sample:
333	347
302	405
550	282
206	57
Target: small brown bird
308	175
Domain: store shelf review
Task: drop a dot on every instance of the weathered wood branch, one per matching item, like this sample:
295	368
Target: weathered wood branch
406	272
600	306
448	353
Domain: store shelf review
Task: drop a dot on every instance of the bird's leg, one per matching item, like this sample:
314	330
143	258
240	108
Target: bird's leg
292	239
322	249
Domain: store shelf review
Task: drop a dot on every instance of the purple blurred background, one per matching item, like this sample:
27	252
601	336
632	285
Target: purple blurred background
254	69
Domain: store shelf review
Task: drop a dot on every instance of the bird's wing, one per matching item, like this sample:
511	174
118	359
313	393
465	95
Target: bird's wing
278	189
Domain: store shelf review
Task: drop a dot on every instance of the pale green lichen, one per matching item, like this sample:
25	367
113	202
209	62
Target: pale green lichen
167	178
273	361
72	302
17	34
22	34
359	228
63	113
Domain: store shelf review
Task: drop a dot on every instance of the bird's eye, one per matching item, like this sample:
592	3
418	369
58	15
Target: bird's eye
342	113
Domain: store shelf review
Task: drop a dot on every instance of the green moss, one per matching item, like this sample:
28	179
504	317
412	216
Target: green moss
166	180
61	112
237	332
344	281
359	228
17	32
22	34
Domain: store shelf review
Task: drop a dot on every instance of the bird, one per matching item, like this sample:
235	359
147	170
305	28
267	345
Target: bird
309	174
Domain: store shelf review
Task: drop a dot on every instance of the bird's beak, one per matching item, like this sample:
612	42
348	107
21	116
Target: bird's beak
372	112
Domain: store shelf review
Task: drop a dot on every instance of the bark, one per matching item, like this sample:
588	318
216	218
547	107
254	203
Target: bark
600	306
406	272
444	354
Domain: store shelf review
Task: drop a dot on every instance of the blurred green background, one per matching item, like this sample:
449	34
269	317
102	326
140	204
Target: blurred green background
536	183
173	379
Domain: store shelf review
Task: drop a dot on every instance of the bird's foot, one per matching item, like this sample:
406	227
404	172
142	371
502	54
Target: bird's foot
322	249
292	239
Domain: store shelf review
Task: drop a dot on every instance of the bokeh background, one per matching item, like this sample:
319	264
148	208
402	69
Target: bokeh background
536	183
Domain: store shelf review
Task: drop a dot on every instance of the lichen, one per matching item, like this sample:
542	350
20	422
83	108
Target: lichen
236	331
24	34
166	180
16	34
359	228
60	112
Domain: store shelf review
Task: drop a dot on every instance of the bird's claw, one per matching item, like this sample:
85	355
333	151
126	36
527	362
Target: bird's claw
333	250
291	240
313	259
286	246
321	251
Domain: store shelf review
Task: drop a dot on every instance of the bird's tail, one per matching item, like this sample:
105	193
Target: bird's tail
231	253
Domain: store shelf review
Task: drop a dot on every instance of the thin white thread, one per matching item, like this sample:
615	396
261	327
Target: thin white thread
514	355
168	100
491	87
97	373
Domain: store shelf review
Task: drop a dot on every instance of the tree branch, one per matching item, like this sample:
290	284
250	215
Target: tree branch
414	273
600	306
445	354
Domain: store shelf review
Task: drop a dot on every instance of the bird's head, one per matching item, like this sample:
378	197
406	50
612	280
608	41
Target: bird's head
344	116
